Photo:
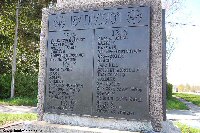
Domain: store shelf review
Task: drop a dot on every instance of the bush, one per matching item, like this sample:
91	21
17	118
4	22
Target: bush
5	83
25	85
169	90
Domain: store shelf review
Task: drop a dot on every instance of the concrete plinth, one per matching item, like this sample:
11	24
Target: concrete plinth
45	127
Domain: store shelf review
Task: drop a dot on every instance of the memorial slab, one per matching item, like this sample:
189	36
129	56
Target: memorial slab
98	63
101	62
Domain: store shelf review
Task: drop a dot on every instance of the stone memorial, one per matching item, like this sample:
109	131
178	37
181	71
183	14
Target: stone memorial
106	54
101	66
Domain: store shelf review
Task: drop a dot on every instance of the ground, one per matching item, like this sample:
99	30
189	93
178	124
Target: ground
190	117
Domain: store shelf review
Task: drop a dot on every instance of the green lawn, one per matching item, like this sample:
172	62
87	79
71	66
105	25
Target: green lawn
174	103
19	101
195	99
186	129
6	118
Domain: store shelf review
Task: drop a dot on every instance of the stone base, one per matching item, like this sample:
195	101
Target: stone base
97	122
45	127
168	127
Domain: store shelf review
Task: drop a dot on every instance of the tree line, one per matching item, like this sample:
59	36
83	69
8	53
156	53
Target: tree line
28	37
188	88
30	15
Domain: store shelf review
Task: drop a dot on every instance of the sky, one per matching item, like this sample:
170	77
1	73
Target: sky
184	63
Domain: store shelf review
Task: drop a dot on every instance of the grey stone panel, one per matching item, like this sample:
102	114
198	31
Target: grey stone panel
155	97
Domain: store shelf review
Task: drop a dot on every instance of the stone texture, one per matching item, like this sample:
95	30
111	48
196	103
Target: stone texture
98	122
168	127
156	111
42	65
45	127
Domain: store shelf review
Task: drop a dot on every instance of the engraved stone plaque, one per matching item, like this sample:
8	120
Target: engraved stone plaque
69	70
121	72
98	63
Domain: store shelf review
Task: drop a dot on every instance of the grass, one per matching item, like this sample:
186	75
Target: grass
195	99
19	101
6	118
186	129
174	103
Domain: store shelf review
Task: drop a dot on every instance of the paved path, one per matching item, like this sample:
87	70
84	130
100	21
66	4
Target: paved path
189	117
17	109
193	108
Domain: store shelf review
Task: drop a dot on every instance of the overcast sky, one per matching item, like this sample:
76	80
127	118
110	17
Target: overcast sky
184	63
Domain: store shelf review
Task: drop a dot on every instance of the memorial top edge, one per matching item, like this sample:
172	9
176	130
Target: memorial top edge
89	7
112	17
54	11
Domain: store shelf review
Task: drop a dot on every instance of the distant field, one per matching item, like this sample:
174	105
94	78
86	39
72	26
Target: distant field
195	99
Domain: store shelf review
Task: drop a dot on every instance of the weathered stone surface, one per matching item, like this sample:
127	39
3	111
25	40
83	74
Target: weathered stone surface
99	122
168	127
156	111
44	127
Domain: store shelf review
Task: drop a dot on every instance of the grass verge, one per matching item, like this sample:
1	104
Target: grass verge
18	101
174	103
195	99
6	118
186	129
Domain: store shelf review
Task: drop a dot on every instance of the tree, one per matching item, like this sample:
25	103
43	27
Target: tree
187	88
171	7
181	88
6	36
28	35
15	52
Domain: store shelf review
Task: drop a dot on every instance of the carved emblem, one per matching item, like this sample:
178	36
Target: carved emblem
134	16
